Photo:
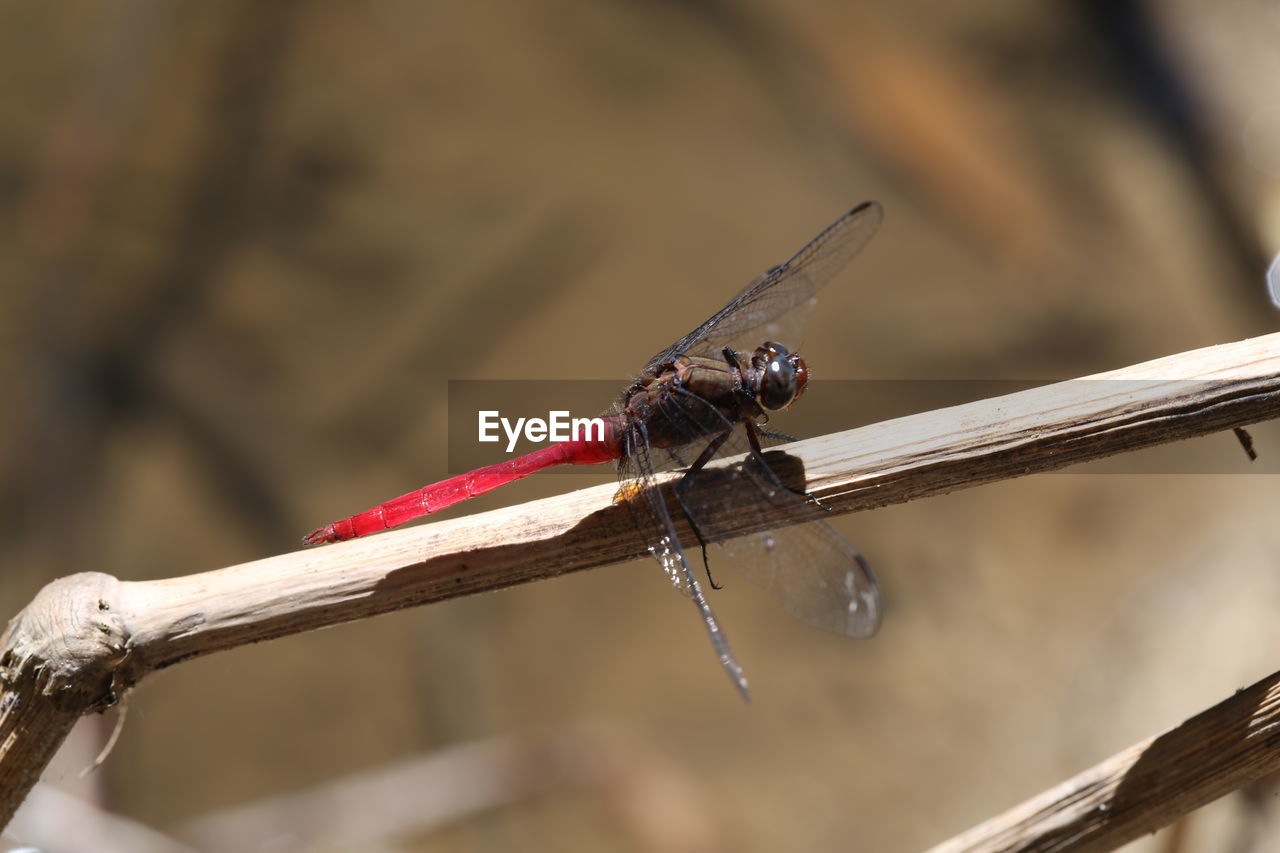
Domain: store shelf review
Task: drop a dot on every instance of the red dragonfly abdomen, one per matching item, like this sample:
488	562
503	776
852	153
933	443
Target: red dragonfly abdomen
454	490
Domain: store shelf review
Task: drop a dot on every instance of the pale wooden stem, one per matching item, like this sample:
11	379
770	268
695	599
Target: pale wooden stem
86	638
1147	786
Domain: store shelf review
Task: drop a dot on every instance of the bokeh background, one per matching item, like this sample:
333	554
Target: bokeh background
244	247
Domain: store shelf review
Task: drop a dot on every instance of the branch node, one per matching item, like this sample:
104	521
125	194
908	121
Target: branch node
70	642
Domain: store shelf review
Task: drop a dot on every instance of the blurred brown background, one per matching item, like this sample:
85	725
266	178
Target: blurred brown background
247	244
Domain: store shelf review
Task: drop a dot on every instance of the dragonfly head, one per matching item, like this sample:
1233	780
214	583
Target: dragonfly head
778	375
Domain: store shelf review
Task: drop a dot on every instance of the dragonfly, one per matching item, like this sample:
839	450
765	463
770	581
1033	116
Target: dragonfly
708	396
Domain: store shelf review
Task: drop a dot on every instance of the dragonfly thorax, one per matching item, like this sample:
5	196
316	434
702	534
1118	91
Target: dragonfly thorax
777	377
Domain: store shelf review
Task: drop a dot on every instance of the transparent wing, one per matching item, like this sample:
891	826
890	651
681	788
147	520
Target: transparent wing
806	566
786	288
813	572
650	512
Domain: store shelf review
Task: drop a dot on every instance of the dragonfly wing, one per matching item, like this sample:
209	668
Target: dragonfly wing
808	567
813	572
785	288
649	510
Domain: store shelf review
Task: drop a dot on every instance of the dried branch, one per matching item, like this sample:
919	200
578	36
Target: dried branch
86	638
1148	785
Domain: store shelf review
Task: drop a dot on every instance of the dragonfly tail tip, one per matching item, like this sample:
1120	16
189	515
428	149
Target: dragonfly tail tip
320	536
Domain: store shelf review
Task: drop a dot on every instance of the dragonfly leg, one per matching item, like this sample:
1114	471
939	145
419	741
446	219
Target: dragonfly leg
683	486
780	436
740	388
757	454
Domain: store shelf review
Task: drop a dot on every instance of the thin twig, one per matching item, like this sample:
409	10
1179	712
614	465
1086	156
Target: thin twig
86	638
1246	441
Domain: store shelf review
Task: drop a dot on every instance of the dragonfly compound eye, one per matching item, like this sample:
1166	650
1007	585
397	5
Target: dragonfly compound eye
782	375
